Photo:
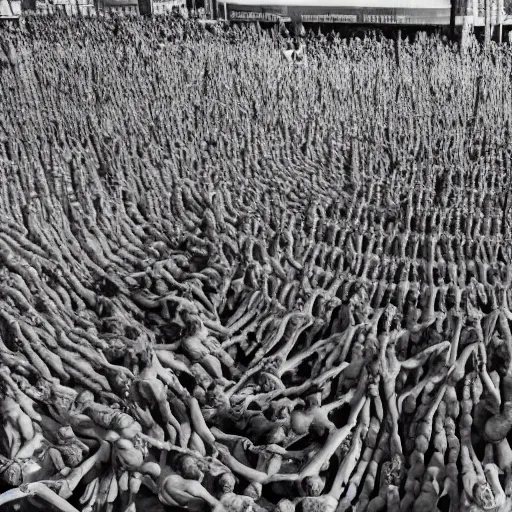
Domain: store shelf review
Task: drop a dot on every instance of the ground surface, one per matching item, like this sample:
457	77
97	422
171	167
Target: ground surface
314	260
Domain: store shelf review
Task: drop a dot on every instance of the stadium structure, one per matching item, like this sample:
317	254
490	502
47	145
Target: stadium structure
348	12
364	12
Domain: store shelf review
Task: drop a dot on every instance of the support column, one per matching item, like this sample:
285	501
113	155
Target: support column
487	22
453	13
499	21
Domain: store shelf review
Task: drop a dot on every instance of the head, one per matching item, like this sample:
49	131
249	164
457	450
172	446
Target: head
12	474
216	397
276	436
269	382
203	379
127	426
84	400
483	495
252	492
299	421
285	506
146	357
314	400
120	382
313	485
65	433
189	469
226	483
283	413
500	357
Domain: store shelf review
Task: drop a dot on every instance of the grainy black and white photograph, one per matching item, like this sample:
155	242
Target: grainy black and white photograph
255	255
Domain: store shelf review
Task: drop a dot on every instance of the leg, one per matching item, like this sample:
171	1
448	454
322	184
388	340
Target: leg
185	433
40	490
393	418
28	449
25	427
212	365
13	439
173	434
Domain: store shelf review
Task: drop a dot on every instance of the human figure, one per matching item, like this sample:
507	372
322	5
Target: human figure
232	501
390	369
17	425
200	347
111	420
148	389
68	451
315	417
186	492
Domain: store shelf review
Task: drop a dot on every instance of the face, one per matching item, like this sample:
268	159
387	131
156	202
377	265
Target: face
313	486
284	414
66	433
190	470
276	436
285	506
217	397
227	483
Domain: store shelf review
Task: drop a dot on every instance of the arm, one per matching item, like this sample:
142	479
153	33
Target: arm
56	458
345	399
455	340
221	436
333	442
198	491
167	359
486	379
250	474
420	327
420	358
198	422
171	347
278	450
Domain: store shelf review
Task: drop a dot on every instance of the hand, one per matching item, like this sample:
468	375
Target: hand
482	357
65	471
247	444
275	448
223	451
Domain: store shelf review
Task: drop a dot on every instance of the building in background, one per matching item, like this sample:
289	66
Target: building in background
99	7
10	9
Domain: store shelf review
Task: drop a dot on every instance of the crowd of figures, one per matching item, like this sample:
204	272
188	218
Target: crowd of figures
230	283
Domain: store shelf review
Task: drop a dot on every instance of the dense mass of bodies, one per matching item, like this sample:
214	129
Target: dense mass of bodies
232	283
